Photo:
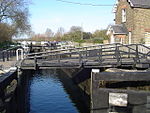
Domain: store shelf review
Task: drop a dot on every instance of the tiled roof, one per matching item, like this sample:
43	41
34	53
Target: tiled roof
119	29
140	3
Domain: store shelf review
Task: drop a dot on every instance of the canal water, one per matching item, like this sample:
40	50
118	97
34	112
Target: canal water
48	94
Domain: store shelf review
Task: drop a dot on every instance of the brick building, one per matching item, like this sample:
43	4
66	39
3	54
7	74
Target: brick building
132	22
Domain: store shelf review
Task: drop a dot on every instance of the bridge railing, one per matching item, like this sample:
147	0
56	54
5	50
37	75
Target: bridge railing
68	50
101	54
7	54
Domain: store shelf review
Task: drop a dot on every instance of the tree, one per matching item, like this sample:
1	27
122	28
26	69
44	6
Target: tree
87	35
101	34
15	13
76	29
49	33
60	33
6	32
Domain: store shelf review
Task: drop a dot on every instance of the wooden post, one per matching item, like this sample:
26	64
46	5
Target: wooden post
99	98
3	55
10	53
80	57
58	56
70	52
15	52
128	52
35	63
117	55
86	53
100	55
7	54
137	54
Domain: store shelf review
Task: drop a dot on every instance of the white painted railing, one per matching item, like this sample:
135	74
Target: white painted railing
17	54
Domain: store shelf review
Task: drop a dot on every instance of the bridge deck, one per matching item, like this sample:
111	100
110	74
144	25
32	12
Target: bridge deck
111	55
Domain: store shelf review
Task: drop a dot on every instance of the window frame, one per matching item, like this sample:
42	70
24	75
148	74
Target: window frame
124	15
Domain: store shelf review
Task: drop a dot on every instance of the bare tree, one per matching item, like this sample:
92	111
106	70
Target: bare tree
60	33
6	32
15	13
49	33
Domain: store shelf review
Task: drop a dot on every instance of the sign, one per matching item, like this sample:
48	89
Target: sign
118	99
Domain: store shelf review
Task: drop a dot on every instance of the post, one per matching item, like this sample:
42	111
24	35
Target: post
100	55
35	63
7	54
128	52
117	55
99	98
70	52
137	54
17	54
10	54
3	55
14	53
58	56
80	57
86	53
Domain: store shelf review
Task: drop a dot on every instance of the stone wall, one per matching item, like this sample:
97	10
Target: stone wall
81	77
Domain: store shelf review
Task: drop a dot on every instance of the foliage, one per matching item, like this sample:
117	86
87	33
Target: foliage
6	44
97	40
80	41
6	32
75	34
87	35
100	34
75	29
59	34
13	18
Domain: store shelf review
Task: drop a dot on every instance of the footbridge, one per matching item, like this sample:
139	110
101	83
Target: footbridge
108	89
108	55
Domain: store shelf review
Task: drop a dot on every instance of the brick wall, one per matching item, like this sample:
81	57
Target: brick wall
138	21
141	23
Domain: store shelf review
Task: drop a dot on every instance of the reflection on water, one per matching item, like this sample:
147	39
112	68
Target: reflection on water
47	94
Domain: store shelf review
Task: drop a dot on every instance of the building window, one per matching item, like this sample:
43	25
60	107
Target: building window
123	15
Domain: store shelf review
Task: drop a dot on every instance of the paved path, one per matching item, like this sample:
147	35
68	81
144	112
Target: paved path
5	66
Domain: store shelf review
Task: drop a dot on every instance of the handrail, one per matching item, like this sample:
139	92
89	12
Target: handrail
10	48
70	49
100	53
8	53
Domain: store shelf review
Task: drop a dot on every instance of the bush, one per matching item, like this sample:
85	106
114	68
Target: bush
80	41
5	44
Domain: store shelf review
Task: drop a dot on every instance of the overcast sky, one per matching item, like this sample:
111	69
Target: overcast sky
54	14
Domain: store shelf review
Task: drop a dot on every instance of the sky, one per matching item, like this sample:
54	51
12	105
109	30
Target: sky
54	14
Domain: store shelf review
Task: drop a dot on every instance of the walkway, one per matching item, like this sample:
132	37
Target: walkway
110	55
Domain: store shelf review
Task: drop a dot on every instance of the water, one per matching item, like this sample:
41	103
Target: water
48	95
